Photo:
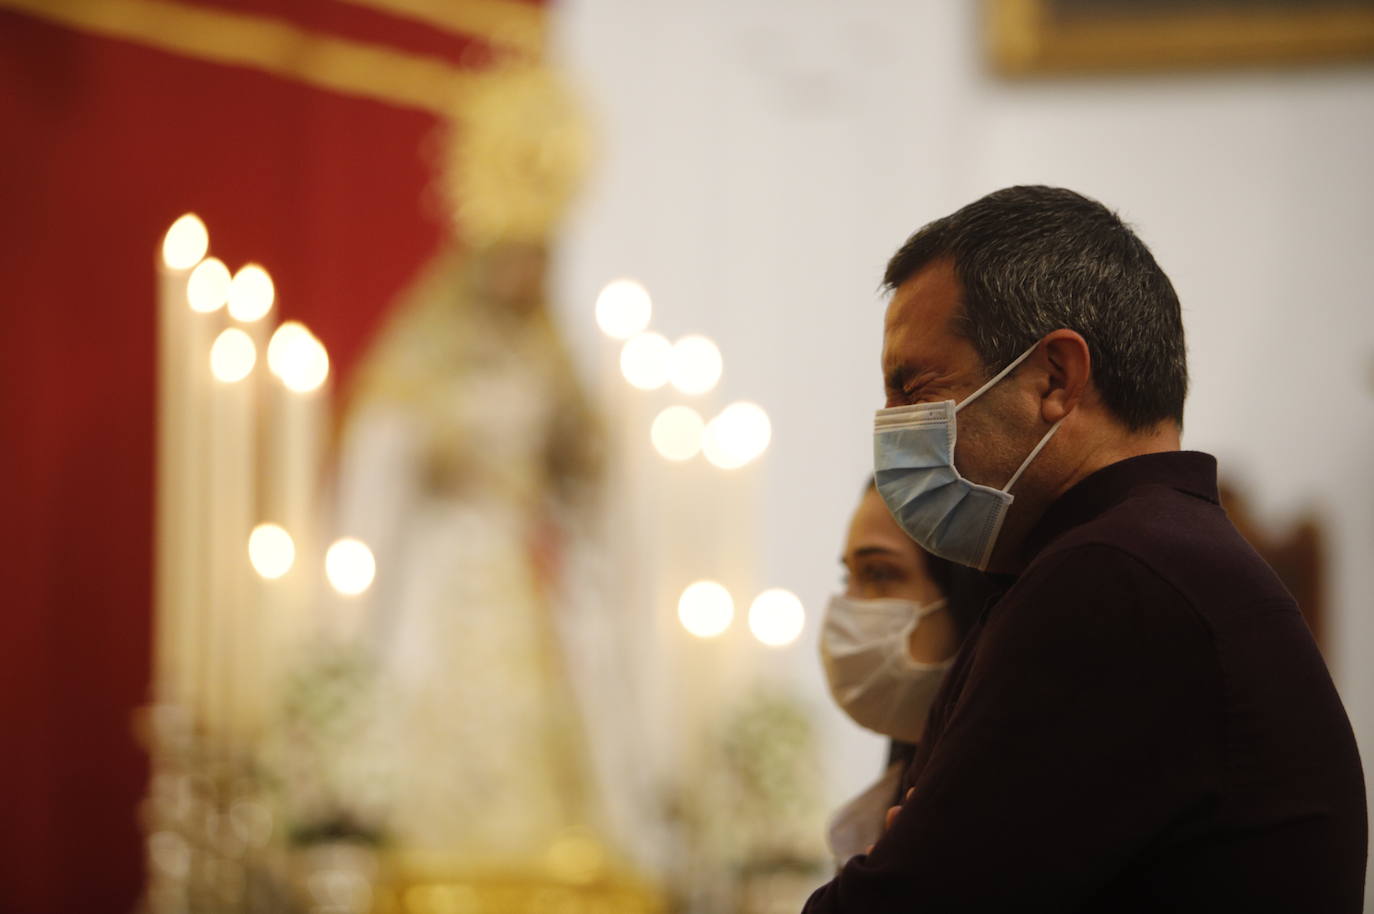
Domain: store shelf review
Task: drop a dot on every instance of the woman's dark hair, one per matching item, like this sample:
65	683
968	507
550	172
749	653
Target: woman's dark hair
967	591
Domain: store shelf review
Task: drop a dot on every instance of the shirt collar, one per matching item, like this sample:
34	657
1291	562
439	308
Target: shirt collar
1192	472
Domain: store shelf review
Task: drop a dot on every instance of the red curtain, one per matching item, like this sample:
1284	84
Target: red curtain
106	140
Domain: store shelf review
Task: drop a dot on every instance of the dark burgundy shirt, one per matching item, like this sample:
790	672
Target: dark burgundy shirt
1143	723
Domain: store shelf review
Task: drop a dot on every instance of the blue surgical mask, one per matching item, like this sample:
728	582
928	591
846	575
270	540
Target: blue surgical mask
913	459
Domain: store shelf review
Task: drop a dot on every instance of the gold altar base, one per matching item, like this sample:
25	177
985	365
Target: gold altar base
515	893
208	824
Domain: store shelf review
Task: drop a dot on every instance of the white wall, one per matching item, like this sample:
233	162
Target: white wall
761	160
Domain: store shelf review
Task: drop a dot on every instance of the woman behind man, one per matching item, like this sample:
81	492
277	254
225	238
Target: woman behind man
885	644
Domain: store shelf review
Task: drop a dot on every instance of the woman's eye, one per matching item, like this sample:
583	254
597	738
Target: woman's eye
878	574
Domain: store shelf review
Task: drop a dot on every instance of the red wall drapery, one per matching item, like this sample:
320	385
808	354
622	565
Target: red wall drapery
106	141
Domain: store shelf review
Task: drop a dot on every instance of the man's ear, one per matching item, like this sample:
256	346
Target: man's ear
1068	372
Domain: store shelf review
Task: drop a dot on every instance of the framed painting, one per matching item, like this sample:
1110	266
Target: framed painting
1039	37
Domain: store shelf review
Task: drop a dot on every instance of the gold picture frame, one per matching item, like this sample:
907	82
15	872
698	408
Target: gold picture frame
1046	37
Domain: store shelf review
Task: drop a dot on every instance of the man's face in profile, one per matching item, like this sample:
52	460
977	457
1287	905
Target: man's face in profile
925	361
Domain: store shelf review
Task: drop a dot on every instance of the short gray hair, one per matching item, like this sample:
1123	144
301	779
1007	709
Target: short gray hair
1035	259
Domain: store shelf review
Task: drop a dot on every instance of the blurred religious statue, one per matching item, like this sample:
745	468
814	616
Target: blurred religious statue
469	461
466	447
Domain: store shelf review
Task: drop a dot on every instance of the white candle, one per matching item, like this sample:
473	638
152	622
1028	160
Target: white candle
179	416
251	307
232	640
297	430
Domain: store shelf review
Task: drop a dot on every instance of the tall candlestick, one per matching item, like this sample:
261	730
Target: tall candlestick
233	626
180	417
297	426
251	306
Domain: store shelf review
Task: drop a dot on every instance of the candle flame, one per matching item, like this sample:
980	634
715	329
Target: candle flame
349	566
271	550
623	308
251	294
776	617
208	287
738	435
232	356
705	609
297	357
645	360
185	243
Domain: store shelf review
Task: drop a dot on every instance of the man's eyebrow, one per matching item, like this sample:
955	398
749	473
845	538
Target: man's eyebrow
897	378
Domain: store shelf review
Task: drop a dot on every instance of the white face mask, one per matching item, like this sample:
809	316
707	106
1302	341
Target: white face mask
868	663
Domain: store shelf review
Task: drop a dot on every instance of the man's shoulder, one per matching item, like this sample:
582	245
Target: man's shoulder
1097	575
1091	617
1148	517
1185	542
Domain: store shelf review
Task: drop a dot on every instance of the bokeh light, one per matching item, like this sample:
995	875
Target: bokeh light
349	566
645	360
696	365
232	356
297	357
251	294
623	309
576	857
776	617
739	434
252	822
705	609
208	288
185	243
271	550
169	853
676	433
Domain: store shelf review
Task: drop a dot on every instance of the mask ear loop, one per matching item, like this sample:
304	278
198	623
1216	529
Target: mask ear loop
1036	450
904	659
997	377
933	606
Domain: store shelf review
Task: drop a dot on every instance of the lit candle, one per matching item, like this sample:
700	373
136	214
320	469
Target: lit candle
180	530
251	302
297	427
232	640
250	306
